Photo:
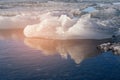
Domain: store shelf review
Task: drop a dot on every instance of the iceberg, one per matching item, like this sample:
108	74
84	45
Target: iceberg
64	27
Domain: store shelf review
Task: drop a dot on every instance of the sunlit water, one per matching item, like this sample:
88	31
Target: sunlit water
42	59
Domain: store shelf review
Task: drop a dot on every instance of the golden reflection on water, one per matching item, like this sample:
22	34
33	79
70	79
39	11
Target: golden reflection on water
78	50
15	34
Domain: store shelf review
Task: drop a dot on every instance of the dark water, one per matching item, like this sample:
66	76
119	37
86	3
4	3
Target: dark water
41	59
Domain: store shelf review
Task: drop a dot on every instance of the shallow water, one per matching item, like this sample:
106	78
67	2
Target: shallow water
42	59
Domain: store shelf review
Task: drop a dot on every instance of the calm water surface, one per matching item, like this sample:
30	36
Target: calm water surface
42	59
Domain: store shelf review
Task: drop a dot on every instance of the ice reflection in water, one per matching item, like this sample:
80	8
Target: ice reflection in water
15	34
78	50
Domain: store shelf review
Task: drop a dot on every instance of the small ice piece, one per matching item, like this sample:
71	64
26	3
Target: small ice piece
115	47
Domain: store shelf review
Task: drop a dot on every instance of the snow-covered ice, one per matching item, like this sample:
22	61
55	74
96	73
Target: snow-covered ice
62	20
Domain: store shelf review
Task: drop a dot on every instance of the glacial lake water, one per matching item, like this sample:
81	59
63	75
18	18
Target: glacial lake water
45	59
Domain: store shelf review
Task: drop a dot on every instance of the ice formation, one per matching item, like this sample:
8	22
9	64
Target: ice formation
64	27
114	47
